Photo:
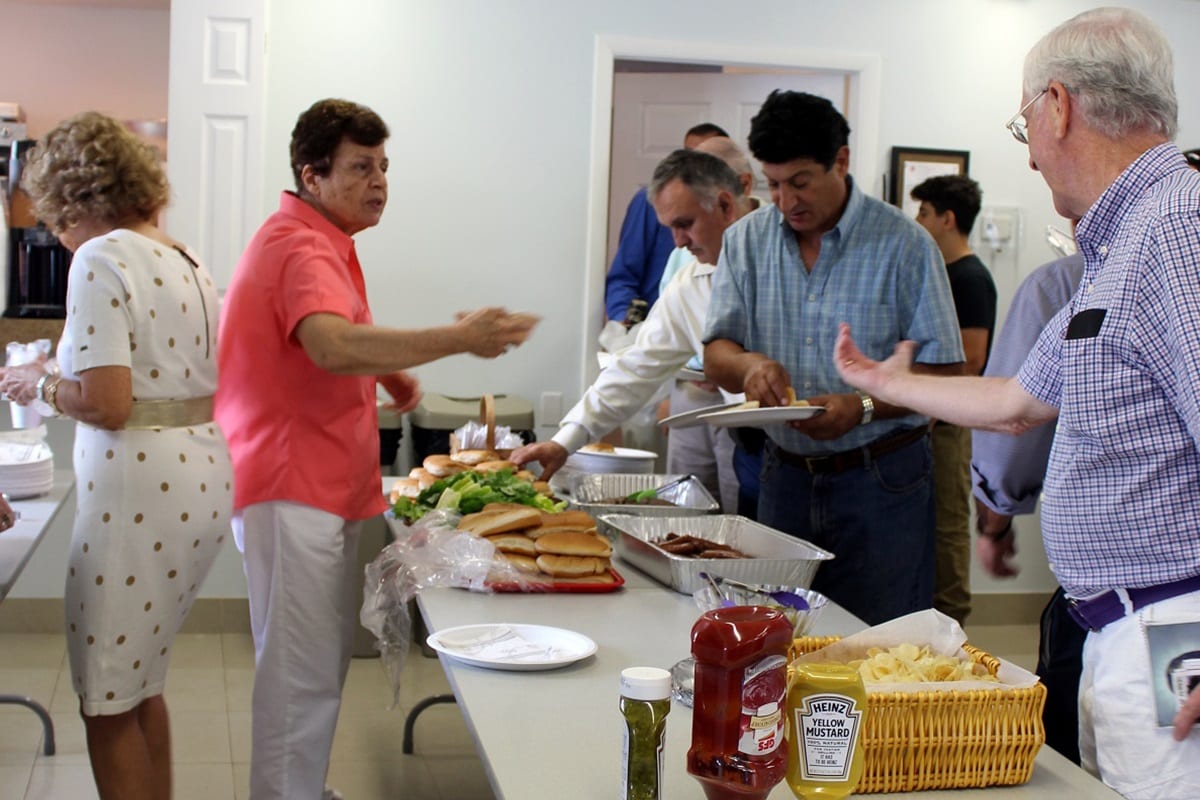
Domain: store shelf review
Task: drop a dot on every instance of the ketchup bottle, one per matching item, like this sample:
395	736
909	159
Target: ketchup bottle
737	750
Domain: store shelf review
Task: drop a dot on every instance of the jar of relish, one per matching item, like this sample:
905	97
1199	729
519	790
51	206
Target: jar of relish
737	750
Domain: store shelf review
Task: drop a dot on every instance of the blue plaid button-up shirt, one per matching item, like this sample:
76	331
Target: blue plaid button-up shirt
1121	504
878	270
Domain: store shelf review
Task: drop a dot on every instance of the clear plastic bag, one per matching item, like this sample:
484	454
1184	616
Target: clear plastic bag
431	554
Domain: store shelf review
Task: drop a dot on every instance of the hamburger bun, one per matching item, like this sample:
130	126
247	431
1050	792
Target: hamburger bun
488	523
573	543
560	566
513	543
405	487
423	477
494	466
473	457
599	447
526	475
542	487
441	466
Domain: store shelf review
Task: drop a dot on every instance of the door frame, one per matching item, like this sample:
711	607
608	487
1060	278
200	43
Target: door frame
865	70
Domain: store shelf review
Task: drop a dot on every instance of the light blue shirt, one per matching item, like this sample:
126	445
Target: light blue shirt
878	270
1007	470
680	257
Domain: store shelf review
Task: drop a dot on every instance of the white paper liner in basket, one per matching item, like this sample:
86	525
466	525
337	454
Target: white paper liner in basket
943	636
473	436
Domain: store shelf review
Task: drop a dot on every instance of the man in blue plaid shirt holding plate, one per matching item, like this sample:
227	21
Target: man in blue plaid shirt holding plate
857	478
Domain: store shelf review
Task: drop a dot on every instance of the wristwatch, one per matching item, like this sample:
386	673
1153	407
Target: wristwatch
868	408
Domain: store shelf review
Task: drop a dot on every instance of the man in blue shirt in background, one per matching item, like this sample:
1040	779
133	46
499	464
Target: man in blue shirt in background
645	245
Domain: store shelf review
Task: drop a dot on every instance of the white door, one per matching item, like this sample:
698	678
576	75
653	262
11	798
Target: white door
653	110
215	146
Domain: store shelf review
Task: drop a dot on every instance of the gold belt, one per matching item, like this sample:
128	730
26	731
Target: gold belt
149	414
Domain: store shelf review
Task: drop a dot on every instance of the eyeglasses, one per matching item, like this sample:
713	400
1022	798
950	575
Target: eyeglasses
1017	126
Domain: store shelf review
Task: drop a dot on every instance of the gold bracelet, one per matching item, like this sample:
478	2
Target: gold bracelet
50	394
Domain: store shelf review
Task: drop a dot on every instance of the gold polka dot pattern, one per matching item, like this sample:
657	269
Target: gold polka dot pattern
131	556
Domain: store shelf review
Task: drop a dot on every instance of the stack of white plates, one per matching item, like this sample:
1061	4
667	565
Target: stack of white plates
26	469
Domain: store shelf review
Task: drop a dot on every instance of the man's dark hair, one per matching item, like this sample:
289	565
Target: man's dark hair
1193	157
793	125
706	175
706	129
321	128
956	193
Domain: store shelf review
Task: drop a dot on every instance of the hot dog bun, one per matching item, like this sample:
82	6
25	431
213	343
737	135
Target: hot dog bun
487	523
571	566
513	543
573	543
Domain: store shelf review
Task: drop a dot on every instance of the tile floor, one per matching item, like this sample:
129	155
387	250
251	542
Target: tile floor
208	693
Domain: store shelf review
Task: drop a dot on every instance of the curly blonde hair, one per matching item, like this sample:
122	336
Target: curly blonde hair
91	167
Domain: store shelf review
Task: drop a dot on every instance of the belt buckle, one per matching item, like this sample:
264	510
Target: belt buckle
814	464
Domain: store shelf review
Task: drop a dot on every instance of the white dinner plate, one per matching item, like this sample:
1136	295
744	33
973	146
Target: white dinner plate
511	646
690	419
758	417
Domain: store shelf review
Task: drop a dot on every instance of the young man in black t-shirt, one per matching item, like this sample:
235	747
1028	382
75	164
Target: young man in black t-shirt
949	205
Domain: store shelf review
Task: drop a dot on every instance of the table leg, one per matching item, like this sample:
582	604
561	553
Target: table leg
40	710
411	719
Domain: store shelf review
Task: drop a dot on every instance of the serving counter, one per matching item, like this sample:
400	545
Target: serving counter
558	733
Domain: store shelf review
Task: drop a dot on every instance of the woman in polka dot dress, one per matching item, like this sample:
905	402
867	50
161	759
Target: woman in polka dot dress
153	479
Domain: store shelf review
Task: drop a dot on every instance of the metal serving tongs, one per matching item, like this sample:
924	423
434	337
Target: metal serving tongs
785	599
649	494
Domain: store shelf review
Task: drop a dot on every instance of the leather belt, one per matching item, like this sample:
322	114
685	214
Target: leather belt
1096	612
150	414
851	459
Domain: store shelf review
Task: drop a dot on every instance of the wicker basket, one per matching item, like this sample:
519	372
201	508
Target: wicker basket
948	740
487	416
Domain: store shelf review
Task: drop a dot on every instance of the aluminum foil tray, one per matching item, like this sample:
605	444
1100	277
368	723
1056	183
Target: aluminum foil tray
586	491
775	557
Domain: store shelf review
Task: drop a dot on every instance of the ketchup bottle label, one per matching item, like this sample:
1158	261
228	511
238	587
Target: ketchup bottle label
764	685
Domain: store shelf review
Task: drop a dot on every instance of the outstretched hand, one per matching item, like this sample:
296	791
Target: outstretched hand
864	373
491	332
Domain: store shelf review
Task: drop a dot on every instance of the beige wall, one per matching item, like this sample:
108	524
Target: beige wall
60	60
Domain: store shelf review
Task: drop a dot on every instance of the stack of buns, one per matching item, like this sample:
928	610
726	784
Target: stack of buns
436	467
561	547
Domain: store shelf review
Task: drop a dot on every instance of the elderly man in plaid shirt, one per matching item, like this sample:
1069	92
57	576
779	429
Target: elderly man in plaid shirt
1119	367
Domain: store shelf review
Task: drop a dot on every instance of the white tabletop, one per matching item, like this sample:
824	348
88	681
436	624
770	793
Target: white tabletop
18	543
558	733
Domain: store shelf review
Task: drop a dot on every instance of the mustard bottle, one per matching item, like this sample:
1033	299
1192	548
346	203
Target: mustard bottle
826	712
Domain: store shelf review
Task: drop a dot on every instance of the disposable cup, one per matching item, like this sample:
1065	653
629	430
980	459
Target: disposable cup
24	416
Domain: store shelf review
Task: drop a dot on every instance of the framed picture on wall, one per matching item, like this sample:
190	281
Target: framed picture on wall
912	165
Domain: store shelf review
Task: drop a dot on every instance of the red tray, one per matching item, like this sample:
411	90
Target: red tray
555	586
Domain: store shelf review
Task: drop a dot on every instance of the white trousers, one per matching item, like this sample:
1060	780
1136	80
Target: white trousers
1119	737
302	572
702	450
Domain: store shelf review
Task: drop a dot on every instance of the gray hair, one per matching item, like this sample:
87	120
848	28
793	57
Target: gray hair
707	176
1117	64
725	149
